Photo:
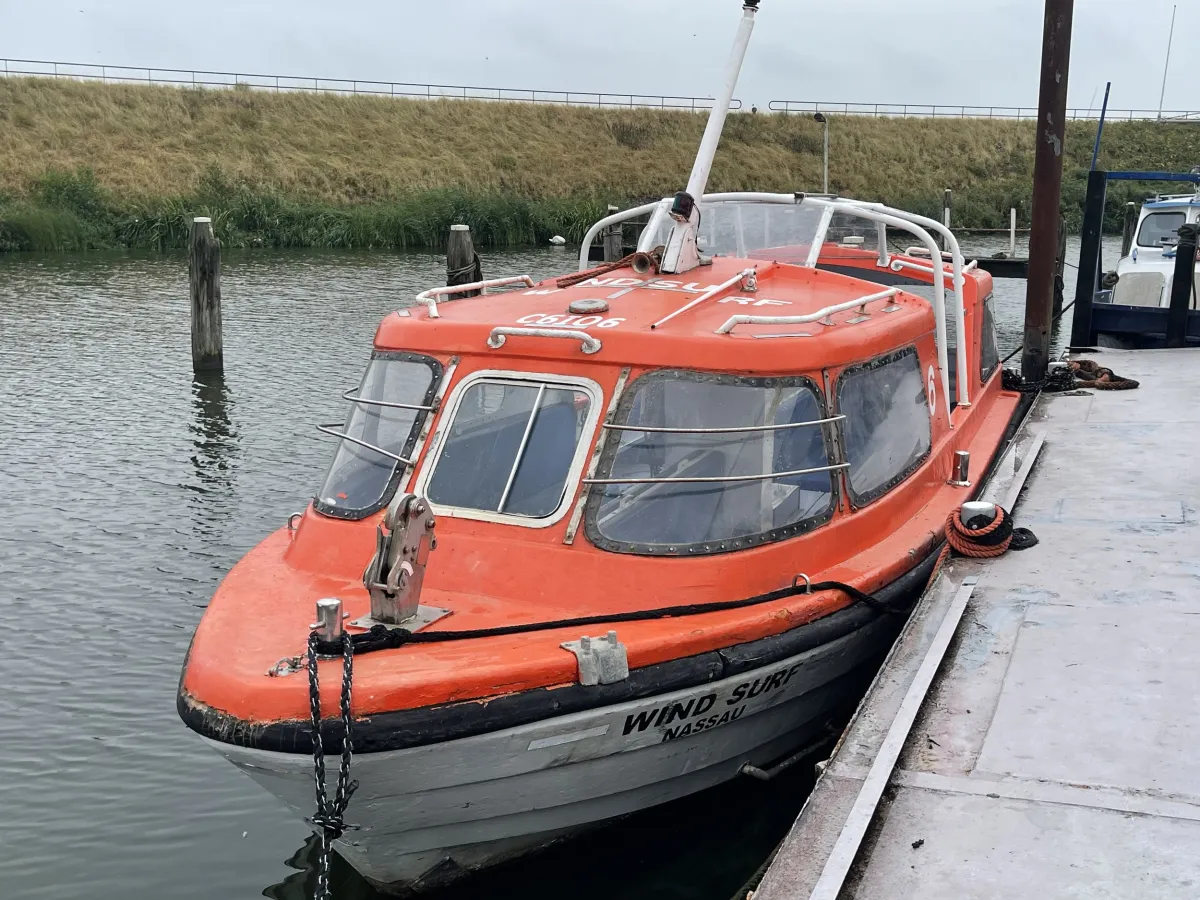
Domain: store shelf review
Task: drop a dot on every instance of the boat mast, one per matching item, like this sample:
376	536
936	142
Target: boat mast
681	253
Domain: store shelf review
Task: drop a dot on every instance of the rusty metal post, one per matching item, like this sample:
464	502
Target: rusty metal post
1047	187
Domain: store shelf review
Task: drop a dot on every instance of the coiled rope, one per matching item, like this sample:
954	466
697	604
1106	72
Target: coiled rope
981	539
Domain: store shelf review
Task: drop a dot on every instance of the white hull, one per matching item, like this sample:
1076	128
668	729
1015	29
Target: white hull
429	814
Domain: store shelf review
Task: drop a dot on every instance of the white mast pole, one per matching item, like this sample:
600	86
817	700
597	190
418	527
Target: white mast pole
716	118
1167	64
681	253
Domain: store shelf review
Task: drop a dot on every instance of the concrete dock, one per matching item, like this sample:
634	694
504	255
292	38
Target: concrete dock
1036	730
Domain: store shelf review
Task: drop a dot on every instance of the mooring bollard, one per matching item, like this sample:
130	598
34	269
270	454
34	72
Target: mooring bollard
614	240
204	276
1012	232
462	262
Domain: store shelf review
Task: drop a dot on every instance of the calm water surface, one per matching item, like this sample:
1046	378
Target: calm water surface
130	489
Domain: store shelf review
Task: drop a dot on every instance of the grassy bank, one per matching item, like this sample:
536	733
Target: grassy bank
89	165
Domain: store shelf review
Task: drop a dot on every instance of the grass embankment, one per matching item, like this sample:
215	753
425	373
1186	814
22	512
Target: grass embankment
88	165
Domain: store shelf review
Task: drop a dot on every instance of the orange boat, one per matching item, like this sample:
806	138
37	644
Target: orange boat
606	540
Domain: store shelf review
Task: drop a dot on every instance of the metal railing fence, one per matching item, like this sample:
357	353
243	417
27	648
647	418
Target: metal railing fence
203	79
926	111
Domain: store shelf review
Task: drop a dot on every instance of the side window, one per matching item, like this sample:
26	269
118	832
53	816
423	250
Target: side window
512	447
989	350
703	463
887	428
380	431
1160	228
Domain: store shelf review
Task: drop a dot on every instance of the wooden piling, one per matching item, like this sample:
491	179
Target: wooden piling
204	276
947	201
462	262
614	240
1131	217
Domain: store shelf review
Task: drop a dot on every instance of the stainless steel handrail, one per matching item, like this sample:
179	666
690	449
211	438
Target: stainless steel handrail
385	403
591	344
861	302
329	430
429	298
717	479
749	429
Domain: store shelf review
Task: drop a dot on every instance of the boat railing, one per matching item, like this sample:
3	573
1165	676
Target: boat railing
332	432
744	429
615	219
365	401
429	298
719	479
900	264
921	227
821	315
591	343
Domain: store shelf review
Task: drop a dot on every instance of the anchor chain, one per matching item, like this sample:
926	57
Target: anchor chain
328	817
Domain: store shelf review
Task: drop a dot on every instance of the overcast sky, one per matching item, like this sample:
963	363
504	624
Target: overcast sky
980	52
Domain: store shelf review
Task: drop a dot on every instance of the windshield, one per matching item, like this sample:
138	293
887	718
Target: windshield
1160	228
365	469
783	232
695	489
511	448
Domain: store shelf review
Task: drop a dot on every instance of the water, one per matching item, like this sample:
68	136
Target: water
129	490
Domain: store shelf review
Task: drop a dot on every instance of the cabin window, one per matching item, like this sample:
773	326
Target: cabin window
1160	228
989	348
513	448
386	414
887	425
701	463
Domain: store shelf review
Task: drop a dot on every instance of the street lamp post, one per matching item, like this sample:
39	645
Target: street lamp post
820	117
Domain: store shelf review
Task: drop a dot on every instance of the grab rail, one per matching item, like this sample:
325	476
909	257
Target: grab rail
385	403
717	479
861	303
591	344
328	429
429	298
916	225
623	216
898	264
749	429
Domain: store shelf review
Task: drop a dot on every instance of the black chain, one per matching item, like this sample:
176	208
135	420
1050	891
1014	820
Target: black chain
328	817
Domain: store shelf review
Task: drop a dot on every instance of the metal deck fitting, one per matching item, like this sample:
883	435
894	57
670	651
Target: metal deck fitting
1052	750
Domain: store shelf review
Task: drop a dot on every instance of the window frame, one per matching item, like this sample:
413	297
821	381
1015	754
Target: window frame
438	371
1153	214
857	500
729	545
449	412
987	310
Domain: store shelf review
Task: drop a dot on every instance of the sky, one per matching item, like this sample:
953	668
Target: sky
946	52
